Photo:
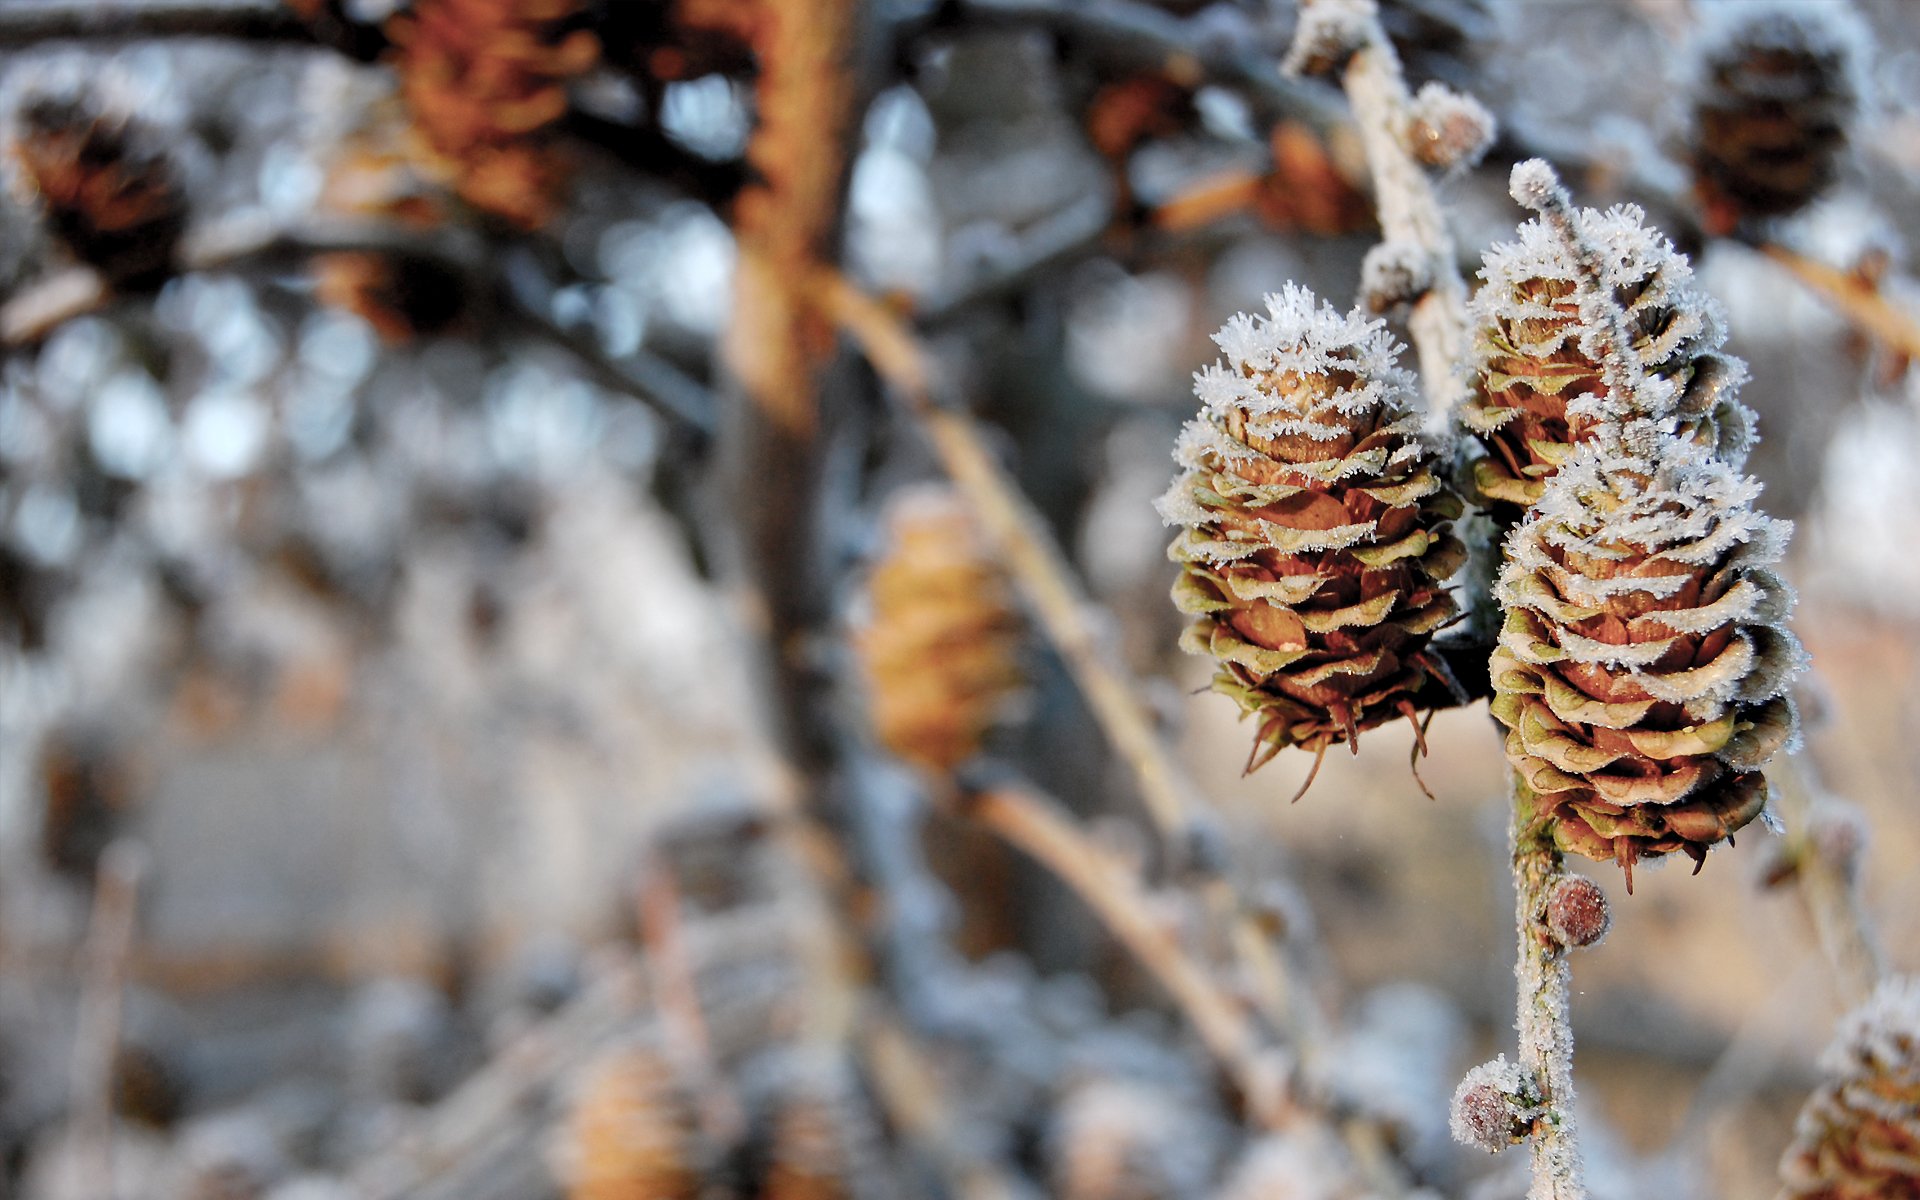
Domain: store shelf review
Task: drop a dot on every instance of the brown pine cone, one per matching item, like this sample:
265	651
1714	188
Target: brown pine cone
107	187
483	80
1858	1138
634	1134
816	1134
1642	666
1314	539
1537	385
939	647
1776	87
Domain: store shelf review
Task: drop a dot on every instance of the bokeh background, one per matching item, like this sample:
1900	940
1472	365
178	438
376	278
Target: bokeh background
376	610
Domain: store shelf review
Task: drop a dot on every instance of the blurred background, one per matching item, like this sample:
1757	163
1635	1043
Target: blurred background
377	713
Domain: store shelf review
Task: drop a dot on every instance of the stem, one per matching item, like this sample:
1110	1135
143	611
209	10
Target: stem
23	22
109	948
1410	212
1039	827
1544	1021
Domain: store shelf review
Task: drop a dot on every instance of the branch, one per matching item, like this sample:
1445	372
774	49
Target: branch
1855	297
1040	828
1544	1021
1410	213
1069	619
24	22
1828	882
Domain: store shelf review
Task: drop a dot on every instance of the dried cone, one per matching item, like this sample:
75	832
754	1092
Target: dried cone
1776	87
1858	1138
1314	526
484	79
106	186
1538	383
1641	668
634	1134
939	649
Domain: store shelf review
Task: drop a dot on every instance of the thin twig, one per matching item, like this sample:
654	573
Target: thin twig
1039	827
96	1044
1860	300
1411	213
1545	1021
1036	563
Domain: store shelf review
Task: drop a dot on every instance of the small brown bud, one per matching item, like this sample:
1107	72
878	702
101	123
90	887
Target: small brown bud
1495	1106
1577	911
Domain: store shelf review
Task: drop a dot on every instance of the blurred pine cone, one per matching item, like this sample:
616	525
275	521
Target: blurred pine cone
1642	666
1858	1138
483	80
816	1136
1314	538
1537	383
106	185
634	1134
1776	87
939	645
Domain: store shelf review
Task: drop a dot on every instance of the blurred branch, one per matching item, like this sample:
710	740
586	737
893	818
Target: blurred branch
1142	37
1854	296
1043	830
1827	880
1038	565
909	1090
23	22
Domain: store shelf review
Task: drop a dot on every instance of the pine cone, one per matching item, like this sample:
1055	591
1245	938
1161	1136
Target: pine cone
1858	1138
939	647
483	80
107	187
1776	87
401	295
1642	666
634	1134
1537	380
1314	523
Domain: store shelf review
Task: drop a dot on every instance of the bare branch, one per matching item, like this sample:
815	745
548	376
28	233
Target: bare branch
24	22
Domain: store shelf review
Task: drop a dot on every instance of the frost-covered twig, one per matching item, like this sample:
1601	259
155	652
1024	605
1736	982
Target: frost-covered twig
1544	1023
1410	212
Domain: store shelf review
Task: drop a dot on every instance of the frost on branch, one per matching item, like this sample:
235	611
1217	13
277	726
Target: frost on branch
1392	274
1448	130
1643	664
1859	1134
1495	1106
1590	316
1775	88
1328	34
1314	526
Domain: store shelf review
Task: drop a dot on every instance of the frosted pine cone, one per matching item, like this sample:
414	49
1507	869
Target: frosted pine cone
1642	666
1777	85
1314	535
1858	1138
634	1134
940	643
483	79
106	186
1538	383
